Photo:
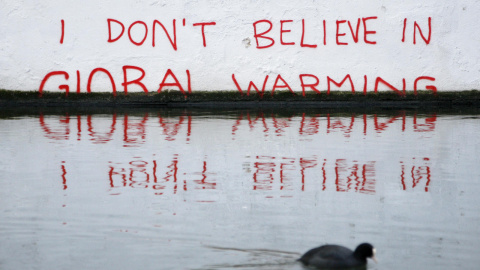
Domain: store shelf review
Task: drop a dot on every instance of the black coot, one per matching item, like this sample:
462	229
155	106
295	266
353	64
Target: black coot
338	257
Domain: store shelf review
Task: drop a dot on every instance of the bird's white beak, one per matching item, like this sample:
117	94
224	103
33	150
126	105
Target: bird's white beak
373	256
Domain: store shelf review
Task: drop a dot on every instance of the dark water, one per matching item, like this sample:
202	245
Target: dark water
159	189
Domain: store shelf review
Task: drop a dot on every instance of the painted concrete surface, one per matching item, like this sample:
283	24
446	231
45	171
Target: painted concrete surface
223	45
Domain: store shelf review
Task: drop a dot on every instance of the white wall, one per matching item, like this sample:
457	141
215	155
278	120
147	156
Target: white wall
30	48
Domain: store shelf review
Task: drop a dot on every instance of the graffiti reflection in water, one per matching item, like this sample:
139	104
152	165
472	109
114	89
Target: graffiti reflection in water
164	171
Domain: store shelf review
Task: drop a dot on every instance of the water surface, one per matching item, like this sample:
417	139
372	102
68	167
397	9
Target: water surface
163	189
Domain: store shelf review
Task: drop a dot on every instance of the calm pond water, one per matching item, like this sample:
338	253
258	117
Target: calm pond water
160	189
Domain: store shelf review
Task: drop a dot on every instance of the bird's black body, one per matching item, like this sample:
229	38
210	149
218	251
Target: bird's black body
338	257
